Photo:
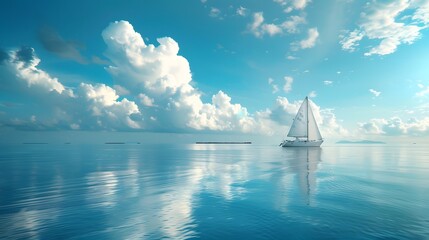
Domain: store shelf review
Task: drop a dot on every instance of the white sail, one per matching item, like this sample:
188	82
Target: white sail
304	126
299	125
313	130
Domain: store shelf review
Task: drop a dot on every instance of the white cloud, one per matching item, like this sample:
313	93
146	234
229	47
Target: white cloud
284	111
374	92
290	57
121	90
259	28
222	115
255	26
274	86
158	85
137	66
242	11
300	4
164	77
350	42
312	94
423	92
422	11
107	112
327	82
313	34
291	25
214	12
23	63
329	125
84	107
288	84
396	126
145	100
290	5
380	22
271	29
309	42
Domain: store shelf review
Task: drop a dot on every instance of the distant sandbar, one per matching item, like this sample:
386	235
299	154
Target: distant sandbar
360	142
223	142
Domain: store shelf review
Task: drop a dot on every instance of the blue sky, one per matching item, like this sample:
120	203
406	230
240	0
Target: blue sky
217	67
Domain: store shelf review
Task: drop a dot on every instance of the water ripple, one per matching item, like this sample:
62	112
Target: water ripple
213	192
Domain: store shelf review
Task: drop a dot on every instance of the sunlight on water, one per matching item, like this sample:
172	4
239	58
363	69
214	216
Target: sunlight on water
213	191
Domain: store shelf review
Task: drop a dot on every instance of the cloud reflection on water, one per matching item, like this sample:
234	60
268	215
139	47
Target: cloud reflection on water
185	191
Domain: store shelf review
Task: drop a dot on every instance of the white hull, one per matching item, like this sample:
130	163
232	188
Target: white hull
301	143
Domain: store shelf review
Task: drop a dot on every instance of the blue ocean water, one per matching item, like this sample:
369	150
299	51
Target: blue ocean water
138	191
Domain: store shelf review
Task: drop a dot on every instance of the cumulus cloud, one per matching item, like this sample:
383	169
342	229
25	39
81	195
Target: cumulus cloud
312	94
284	111
309	42
329	124
271	29
105	108
214	12
396	126
155	76
273	85
389	23
374	92
242	11
84	107
327	82
288	84
259	28
157	83
222	115
290	5
350	42
291	25
424	90
23	63
421	14
158	75
146	101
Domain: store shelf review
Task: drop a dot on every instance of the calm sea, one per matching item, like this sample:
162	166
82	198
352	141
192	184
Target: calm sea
213	192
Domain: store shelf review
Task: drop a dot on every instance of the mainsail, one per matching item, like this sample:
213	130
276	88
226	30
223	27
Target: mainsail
313	130
304	125
299	125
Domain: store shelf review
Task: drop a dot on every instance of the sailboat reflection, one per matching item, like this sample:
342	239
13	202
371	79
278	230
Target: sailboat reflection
303	162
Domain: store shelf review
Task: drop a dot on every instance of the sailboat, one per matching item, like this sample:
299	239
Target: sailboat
304	129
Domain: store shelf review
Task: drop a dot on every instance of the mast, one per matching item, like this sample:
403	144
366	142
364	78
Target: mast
306	99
